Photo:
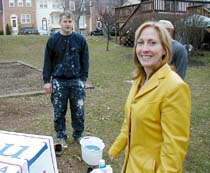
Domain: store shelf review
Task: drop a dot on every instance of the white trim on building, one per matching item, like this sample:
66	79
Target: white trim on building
47	13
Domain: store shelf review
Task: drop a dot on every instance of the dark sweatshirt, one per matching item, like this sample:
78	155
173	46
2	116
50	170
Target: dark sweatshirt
66	57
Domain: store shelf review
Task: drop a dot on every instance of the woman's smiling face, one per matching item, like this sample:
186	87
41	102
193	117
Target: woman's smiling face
149	49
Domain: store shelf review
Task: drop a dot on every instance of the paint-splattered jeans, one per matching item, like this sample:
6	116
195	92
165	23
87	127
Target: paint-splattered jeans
73	91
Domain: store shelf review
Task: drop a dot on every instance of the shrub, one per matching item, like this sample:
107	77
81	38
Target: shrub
8	30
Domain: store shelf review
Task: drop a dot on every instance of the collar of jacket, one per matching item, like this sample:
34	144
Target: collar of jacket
152	83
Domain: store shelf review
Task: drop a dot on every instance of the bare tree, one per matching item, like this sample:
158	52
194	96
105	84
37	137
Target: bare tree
63	4
108	21
79	11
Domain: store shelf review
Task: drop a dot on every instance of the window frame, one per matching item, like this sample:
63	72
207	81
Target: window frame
72	6
20	3
25	17
11	2
28	3
56	4
82	22
43	4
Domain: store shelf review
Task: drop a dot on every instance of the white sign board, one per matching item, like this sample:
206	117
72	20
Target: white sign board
26	153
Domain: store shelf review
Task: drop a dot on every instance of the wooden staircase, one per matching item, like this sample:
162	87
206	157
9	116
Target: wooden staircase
155	10
127	30
199	9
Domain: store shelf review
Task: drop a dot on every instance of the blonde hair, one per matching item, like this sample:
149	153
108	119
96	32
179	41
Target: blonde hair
165	40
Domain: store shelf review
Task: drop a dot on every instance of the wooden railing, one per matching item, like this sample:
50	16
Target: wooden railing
199	9
168	7
144	7
124	12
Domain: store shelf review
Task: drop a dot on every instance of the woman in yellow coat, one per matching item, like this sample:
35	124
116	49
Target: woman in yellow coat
155	131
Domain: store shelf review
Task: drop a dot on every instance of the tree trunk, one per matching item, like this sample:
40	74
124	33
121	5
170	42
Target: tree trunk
107	45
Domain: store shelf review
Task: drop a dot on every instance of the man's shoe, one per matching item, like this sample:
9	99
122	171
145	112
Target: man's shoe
77	140
63	142
58	150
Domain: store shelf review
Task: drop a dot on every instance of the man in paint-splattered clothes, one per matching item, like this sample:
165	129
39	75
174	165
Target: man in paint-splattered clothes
65	71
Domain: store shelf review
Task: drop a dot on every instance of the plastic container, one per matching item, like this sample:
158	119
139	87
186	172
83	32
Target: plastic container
102	164
107	169
102	167
92	150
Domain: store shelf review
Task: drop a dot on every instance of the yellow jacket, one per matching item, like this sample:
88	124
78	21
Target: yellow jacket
156	128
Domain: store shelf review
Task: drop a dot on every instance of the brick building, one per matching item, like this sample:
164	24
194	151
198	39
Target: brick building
44	14
19	14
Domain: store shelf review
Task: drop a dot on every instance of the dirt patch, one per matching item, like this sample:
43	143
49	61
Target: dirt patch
32	114
17	78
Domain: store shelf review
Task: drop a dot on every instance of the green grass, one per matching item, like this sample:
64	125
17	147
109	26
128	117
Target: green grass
198	158
105	104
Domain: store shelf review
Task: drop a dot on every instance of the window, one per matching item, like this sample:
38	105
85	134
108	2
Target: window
98	24
20	3
82	22
11	3
72	5
14	21
171	6
28	3
44	24
57	5
43	3
25	18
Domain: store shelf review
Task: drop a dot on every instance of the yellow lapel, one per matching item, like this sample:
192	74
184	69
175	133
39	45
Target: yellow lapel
153	82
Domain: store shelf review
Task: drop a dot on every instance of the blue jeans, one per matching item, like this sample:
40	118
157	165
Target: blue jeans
73	91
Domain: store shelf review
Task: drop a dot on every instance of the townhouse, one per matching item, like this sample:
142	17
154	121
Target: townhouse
47	14
44	14
18	14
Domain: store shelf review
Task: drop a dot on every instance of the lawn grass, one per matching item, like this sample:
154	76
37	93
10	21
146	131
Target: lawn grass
109	73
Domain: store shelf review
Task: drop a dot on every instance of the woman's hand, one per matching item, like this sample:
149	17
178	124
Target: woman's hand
111	157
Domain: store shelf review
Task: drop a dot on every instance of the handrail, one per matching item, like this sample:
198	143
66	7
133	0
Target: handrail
144	7
129	17
200	9
133	13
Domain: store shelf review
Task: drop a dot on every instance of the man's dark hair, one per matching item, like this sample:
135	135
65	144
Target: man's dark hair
67	14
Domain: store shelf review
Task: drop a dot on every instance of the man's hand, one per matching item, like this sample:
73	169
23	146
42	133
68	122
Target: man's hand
48	88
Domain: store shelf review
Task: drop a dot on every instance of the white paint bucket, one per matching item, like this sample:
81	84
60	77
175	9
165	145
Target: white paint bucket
92	149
